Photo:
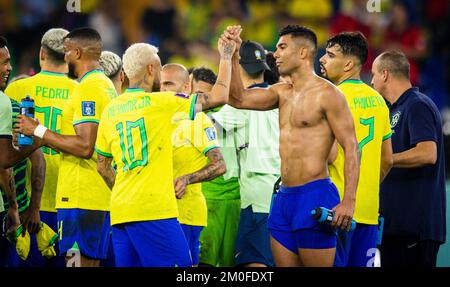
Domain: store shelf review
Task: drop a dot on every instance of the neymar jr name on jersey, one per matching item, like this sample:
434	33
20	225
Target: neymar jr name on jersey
131	105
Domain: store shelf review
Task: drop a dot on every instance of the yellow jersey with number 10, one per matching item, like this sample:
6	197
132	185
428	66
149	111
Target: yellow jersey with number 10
51	92
136	130
79	183
191	142
372	125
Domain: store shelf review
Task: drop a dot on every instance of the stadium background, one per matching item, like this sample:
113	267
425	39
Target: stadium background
186	32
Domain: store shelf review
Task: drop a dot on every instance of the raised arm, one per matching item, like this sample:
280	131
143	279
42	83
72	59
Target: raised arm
241	98
219	94
341	122
255	98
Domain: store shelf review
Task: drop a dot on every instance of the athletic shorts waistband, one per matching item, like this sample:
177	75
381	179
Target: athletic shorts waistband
306	187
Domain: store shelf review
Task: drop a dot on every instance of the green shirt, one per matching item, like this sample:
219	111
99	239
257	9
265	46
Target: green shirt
19	170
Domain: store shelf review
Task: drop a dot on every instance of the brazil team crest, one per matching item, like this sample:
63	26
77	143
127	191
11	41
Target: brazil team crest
88	109
210	133
395	118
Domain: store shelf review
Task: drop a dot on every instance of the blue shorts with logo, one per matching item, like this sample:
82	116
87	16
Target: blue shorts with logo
153	243
86	230
192	234
290	221
356	248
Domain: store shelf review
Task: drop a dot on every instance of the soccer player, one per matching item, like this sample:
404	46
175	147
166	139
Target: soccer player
51	91
203	80
218	238
259	164
112	66
28	208
136	131
341	64
196	158
9	155
313	113
82	197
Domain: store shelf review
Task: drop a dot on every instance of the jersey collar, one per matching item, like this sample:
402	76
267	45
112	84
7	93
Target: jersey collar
95	71
44	72
351	81
134	90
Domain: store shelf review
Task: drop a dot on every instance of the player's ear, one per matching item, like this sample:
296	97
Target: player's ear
150	69
385	75
303	52
349	65
78	53
41	54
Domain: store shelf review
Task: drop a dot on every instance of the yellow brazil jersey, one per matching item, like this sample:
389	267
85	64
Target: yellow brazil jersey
51	92
79	183
191	141
371	118
136	130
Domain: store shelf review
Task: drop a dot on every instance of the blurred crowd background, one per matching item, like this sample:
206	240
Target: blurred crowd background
186	31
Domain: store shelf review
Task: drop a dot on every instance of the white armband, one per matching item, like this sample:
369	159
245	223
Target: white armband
39	131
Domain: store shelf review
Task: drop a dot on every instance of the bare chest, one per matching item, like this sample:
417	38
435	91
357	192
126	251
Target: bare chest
300	110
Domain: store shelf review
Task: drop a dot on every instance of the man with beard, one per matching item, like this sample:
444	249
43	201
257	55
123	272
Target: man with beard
341	64
51	90
82	197
313	113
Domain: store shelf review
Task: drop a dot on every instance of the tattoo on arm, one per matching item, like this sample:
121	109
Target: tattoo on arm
213	169
228	51
106	170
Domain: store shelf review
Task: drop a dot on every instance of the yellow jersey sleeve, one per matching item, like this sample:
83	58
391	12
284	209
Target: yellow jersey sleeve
184	104
87	104
387	133
204	134
101	146
13	91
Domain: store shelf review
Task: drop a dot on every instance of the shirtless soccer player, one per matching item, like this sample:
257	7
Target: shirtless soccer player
313	113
